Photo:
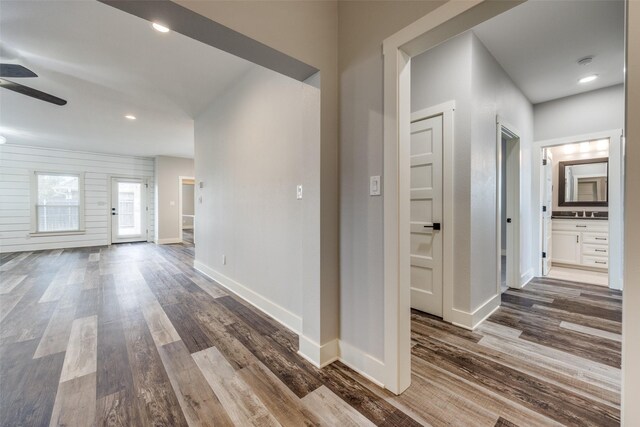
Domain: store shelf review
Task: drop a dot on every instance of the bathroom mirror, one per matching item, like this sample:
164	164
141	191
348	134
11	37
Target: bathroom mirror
583	182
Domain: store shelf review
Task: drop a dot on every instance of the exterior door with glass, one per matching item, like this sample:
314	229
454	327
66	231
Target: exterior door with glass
128	210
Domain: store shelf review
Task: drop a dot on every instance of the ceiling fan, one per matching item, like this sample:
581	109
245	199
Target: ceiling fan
18	71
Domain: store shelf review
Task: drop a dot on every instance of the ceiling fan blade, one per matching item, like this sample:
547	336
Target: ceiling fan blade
15	70
34	93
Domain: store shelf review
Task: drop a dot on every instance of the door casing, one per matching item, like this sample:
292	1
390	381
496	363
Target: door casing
145	202
616	202
511	134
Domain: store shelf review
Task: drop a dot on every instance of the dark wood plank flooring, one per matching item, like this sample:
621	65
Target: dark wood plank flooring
132	335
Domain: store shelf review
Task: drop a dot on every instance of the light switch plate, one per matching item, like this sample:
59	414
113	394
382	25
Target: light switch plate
299	192
374	185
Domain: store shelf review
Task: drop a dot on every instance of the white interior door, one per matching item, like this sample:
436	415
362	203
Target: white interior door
426	215
128	210
547	203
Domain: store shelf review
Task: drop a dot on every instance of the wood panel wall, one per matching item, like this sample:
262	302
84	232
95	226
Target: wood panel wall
17	164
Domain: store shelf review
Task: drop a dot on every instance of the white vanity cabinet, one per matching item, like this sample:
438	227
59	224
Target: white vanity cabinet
580	242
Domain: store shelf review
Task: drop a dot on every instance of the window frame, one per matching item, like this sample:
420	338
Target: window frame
34	203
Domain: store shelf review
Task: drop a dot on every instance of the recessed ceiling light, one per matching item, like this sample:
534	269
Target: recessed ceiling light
160	28
588	79
2	139
130	117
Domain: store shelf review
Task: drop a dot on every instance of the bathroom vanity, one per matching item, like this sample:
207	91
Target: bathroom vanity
580	242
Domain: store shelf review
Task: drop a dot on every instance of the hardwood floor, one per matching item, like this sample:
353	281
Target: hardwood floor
132	335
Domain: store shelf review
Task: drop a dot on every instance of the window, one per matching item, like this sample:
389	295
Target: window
58	202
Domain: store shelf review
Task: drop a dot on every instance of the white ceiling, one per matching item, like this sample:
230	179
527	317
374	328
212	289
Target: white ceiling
539	43
106	64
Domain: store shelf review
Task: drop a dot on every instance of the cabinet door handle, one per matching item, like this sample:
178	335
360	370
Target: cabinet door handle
581	226
601	250
577	238
601	262
601	238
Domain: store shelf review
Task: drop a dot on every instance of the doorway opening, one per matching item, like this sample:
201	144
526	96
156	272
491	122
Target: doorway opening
508	207
129	210
580	198
496	88
187	209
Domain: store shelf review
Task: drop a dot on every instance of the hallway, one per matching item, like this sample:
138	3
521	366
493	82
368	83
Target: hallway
132	335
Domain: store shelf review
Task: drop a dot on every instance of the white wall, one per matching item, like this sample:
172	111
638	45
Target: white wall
308	31
363	27
595	111
254	145
168	171
17	163
462	69
495	94
439	75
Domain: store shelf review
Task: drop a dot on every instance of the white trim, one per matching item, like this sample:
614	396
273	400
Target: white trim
33	202
366	365
398	49
436	110
616	204
318	355
145	182
168	241
180	184
145	206
513	193
472	320
282	315
526	277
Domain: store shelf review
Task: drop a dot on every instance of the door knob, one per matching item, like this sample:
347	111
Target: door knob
509	220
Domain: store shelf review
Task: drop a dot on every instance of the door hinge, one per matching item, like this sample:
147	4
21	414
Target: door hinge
544	254
544	209
146	186
544	162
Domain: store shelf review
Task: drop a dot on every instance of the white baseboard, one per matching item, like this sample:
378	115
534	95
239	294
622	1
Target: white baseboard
471	320
168	241
363	363
526	278
319	355
282	315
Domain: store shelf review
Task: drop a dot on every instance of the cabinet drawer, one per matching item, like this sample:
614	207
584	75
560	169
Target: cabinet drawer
594	261
577	225
595	250
595	238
